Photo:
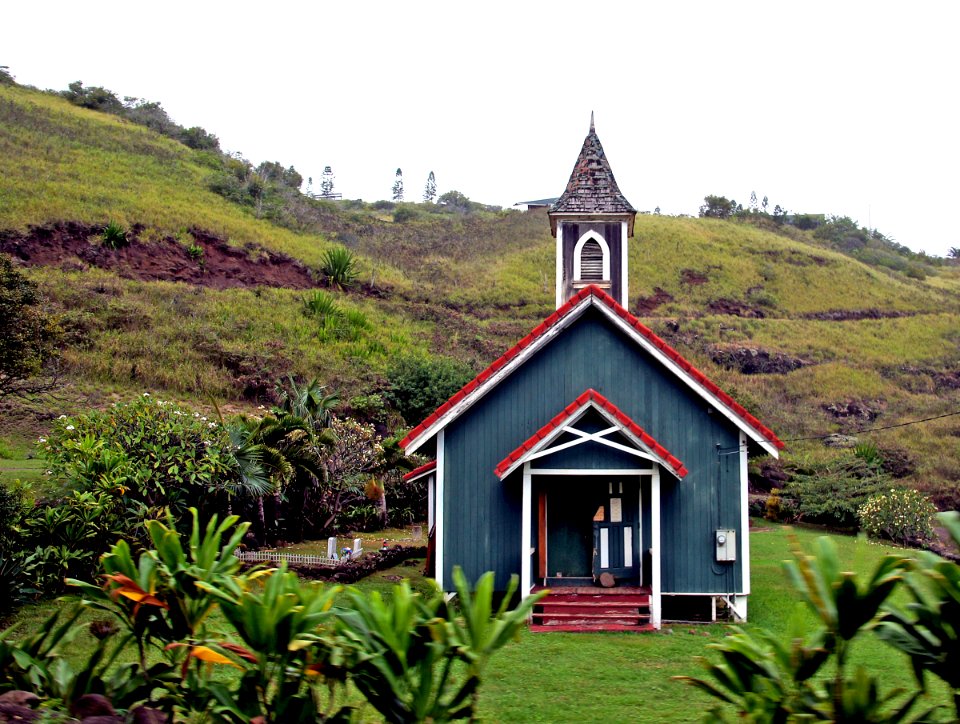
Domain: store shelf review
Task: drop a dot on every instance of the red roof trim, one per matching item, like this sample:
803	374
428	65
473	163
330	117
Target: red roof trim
573	408
628	318
422	470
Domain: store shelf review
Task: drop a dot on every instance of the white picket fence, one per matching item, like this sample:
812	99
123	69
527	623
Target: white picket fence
330	560
268	557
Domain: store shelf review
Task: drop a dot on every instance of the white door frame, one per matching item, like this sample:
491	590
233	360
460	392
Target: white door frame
527	550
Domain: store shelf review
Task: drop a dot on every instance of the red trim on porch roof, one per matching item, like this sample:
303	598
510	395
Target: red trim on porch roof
645	331
569	411
422	470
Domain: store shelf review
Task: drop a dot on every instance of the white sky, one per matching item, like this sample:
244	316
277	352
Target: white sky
834	107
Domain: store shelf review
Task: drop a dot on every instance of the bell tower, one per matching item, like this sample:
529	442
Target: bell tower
592	222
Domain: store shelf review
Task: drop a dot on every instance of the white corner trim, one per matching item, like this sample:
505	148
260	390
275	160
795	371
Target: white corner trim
744	516
604	247
431	501
438	530
624	258
526	535
655	548
559	281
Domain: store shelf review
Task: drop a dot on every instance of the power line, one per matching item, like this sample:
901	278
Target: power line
877	429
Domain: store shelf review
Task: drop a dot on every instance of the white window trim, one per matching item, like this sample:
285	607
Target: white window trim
603	248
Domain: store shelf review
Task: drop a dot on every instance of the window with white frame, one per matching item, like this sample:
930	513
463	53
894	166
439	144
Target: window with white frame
591	259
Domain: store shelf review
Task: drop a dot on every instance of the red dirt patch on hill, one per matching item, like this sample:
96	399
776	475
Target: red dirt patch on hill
71	245
648	305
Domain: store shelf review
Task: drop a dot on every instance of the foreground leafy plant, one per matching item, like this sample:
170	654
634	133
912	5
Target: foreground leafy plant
931	635
768	680
416	660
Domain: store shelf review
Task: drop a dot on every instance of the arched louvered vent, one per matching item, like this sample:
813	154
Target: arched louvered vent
591	261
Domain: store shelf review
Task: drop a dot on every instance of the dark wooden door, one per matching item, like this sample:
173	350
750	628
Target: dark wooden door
616	532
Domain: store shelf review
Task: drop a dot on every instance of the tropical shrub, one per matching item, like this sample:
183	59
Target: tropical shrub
929	631
901	515
295	644
30	337
766	679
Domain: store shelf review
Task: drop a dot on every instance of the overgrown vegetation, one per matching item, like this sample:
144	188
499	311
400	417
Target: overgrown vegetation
30	337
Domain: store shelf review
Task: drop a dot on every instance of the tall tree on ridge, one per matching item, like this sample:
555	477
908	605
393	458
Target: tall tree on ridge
430	190
398	186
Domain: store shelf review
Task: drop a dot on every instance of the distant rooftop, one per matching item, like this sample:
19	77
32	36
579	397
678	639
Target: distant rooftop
537	203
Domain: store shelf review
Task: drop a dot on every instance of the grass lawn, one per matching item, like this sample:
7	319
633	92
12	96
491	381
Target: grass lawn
561	677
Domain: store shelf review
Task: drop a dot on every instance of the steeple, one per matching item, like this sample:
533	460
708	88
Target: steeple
592	221
592	189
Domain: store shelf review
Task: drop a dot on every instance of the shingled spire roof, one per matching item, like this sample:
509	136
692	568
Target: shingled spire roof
592	189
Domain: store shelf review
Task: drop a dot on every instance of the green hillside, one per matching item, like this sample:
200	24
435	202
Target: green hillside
811	336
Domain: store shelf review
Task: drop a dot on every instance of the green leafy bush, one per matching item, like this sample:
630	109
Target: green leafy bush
147	457
831	492
901	515
418	385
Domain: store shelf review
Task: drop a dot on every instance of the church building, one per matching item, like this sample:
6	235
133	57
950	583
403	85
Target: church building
592	458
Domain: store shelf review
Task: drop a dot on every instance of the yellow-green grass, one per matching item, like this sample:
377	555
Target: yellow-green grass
188	341
737	257
60	162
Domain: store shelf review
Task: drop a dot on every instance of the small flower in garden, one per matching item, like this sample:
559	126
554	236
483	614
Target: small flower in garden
196	414
71	427
41	439
146	394
211	424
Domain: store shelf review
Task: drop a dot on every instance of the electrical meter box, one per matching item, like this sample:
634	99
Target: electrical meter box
726	540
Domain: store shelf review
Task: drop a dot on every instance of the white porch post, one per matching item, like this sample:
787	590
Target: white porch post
438	516
744	515
431	501
655	545
525	532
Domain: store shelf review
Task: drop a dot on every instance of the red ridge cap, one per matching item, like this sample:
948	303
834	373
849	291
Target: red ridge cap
642	329
417	472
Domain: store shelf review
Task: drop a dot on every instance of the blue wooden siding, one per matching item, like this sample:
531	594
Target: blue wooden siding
482	514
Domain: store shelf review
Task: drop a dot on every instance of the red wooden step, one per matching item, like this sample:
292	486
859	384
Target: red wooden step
591	615
594	604
586	628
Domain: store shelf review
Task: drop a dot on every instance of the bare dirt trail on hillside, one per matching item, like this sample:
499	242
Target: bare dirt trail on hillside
76	246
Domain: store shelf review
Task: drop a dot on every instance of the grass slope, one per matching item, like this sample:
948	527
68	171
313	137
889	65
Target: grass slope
466	285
